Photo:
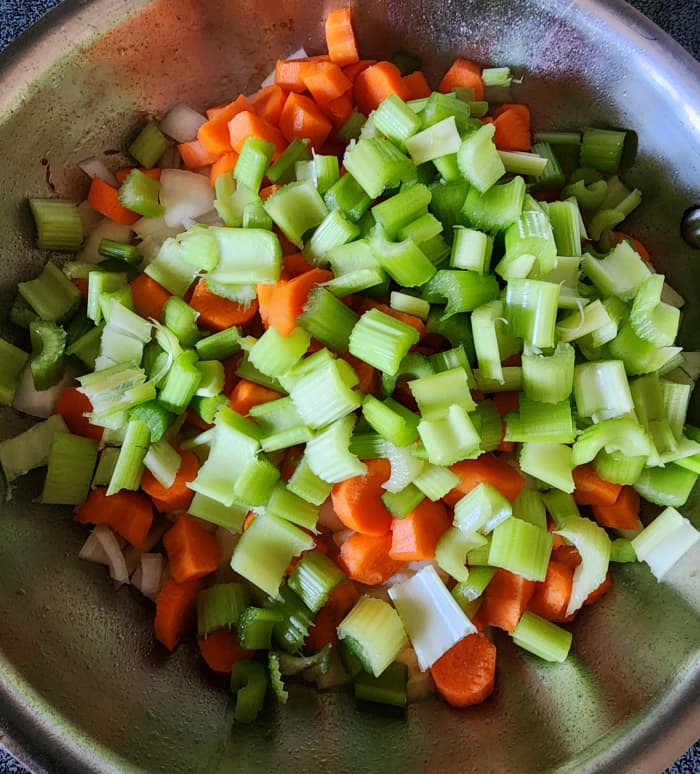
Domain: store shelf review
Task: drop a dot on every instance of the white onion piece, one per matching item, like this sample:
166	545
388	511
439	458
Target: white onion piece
105	229
38	403
132	555
184	195
92	551
181	122
327	517
115	557
148	576
96	168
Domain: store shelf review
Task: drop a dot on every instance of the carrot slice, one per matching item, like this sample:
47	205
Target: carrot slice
282	302
129	514
247	394
104	198
488	469
268	102
465	74
357	500
506	401
325	81
512	123
176	607
365	558
324	627
247	124
149	297
192	551
416	85
225	163
217	313
591	489
551	596
72	405
415	537
466	673
214	134
220	649
377	82
302	118
178	496
505	598
295	264
195	155
622	514
340	37
288	72
353	70
367	374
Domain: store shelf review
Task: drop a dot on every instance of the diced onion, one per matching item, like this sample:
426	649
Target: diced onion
181	122
184	195
38	403
148	576
115	557
96	168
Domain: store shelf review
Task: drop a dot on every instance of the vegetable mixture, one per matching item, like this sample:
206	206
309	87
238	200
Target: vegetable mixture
349	372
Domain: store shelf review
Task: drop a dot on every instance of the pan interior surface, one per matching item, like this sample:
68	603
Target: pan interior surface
83	686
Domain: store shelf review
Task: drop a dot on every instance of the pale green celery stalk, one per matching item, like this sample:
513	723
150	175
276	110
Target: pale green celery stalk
273	354
619	274
403	261
551	463
541	422
529	506
438	140
435	394
248	255
13	360
471	249
479	160
523	162
405	466
377	164
452	549
542	638
334	230
601	390
381	340
496	209
401	503
105	466
482	509
220	606
328	319
670	485
511	381
618	468
306	484
531	309
163	462
464	290
484	322
676	399
328	453
58	224
622	434
199	248
587	321
254	485
230	517
521	547
313	579
129	468
468	594
560	505
322	395
265	550
30	449
423	228
403	302
392	421
450	438
280	424
100	282
664	541
170	270
652	319
549	378
71	463
284	504
395	119
398	211
453	358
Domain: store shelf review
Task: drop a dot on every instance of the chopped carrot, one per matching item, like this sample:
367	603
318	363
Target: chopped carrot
551	596
591	489
466	673
353	70
295	264
599	591
325	81
267	191
247	394
512	124
217	313
365	558
567	555
268	102
192	551
104	198
193	418
414	537
302	118
220	649
129	514
288	72
338	110
340	37
367	374
214	111
149	297
488	469
73	406
178	496
195	155
506	401
622	514
282	302
464	74
225	163
358	500
247	124
176	608
214	134
416	85
377	82
230	376
82	284
324	628
122	174
290	461
505	598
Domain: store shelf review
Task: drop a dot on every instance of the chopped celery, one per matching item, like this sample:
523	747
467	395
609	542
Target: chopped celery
387	688
541	637
664	541
71	464
521	547
51	295
220	606
313	579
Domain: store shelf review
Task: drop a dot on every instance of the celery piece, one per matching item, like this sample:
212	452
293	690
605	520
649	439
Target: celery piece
58	224
31	448
399	210
601	390
255	483
589	197
367	446
220	345
105	466
291	631
249	682
170	270
521	547
400	503
139	193
273	354
381	340
652	319
565	219
542	638
405	466
395	120
491	427
471	249
464	290
618	468
163	462
482	509
421	229
313	578
549	378
265	549
220	606
593	544
450	438
181	382
523	162
282	170
13	361
403	302
322	396
306	484
453	358
51	295
391	420
388	688
254	216
213	378
280	424
71	464
374	633
129	468
329	455
232	198
552	177
602	149
123	251
548	462
438	139
639	356
668	486
253	161
155	416
199	248
531	310
511	380
468	593
560	505
447	201
403	261
21	313
529	506
440	106
496	209
149	145
622	551
619	274
434	621
334	230
296	208
451	551
591	322
478	159
48	348
248	255
435	394
328	319
284	504
541	422
230	517
181	318
347	194
528	241
664	541
377	164
413	365
484	323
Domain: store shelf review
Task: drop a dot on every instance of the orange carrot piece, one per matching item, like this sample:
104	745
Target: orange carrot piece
416	85
192	551
303	119
122	174
267	191
129	514
365	558
104	198
413	538
340	37
247	394
353	70
338	110
622	514
465	74
82	284
295	264
367	374
149	297
214	111
178	496
268	102
567	555
506	401
324	628
505	598
488	469
466	673
282	302
72	405
247	124
357	500
551	596
288	72
377	82
214	134
591	489
225	163
220	649
176	608
512	123
325	81
217	313
195	155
